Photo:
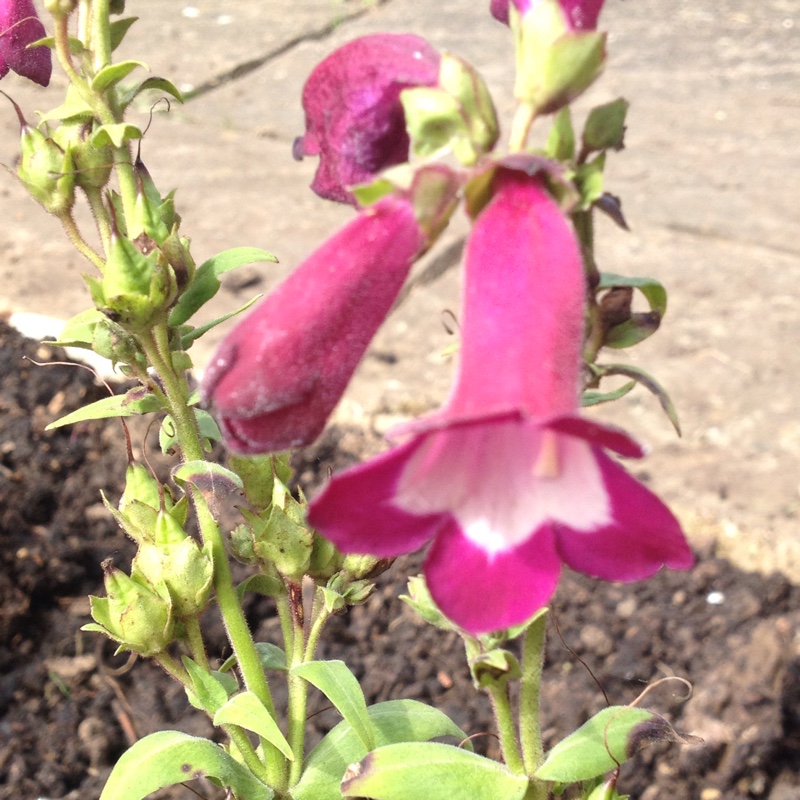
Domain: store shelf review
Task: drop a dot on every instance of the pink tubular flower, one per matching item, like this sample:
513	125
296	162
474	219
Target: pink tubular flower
277	375
19	26
354	118
507	480
579	15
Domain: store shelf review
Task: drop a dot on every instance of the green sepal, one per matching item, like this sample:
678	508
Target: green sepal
494	668
419	598
284	541
47	171
206	280
136	401
79	330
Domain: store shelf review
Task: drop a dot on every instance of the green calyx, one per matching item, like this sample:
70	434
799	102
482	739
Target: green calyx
48	171
137	616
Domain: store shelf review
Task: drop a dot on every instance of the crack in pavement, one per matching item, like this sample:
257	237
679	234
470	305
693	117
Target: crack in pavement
246	67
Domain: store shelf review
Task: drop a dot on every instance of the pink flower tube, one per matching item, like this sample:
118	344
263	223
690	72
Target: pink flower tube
579	15
354	117
277	376
507	479
19	26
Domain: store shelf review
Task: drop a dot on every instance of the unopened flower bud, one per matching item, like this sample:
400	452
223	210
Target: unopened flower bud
47	171
138	617
19	27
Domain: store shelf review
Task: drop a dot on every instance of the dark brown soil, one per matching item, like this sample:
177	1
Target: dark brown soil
66	714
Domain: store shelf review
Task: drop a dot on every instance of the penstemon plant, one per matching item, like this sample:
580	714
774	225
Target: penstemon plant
507	481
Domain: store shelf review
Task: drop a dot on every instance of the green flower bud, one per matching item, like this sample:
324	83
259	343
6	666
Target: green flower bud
60	8
176	561
113	342
142	486
358	592
360	566
258	475
47	171
136	616
93	164
419	598
325	559
494	668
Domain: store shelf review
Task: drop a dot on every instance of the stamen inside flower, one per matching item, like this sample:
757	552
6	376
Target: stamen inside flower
547	464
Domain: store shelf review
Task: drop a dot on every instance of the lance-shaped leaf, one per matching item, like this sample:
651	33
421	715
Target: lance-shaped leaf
393	721
206	280
634	327
114	73
603	742
340	686
136	401
248	712
431	771
169	757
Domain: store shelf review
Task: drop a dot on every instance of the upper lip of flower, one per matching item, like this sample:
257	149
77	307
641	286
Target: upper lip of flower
19	27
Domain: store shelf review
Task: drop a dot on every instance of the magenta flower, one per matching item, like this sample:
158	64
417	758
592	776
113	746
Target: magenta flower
579	15
277	375
354	118
507	480
19	26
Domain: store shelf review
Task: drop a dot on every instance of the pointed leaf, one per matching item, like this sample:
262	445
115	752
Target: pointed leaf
118	28
600	744
79	330
340	686
114	73
605	126
154	84
207	476
653	290
206	281
393	721
561	139
650	383
248	712
593	398
207	694
119	405
195	333
431	771
169	757
116	134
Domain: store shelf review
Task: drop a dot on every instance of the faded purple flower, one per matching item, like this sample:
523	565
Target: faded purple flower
354	118
19	26
579	15
507	479
277	375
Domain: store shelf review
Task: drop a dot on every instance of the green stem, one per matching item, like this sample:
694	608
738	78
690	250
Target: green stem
520	127
529	692
297	687
100	214
227	599
196	643
173	668
501	704
79	243
101	34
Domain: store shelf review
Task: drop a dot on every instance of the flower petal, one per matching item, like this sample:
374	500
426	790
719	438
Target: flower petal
354	117
19	26
596	433
356	510
642	536
483	592
279	373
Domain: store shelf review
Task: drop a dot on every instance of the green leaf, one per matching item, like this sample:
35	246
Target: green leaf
114	73
605	126
431	771
169	757
271	656
206	280
600	744
73	107
154	84
207	476
393	721
75	45
79	330
654	292
195	333
209	430
340	686
248	712
561	139
649	383
135	402
262	584
589	178
118	28
593	398
207	693
116	134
